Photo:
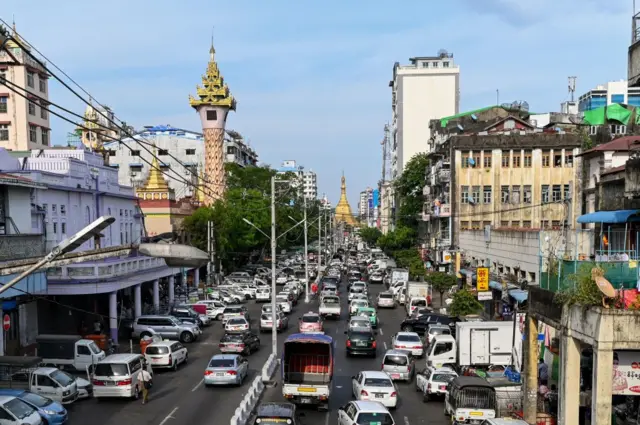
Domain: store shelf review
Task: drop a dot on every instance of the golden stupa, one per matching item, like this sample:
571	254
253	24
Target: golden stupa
343	209
156	187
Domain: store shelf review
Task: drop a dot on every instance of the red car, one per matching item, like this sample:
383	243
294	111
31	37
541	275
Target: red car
311	323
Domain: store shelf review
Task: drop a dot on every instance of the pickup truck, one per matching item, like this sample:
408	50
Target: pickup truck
307	369
68	351
330	307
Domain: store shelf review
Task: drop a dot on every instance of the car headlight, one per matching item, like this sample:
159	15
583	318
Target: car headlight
65	393
51	412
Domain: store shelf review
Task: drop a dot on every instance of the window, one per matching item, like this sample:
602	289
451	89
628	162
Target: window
516	160
3	74
464	225
567	191
434	64
126	213
45	136
544	224
568	159
504	194
111	152
546	155
515	194
43	110
555	224
476	159
32	108
445	64
63	228
55	228
475	194
618	129
475	225
528	159
505	159
121	213
487	159
526	194
464	194
526	224
163	152
54	209
33	134
190	151
487	194
504	223
212	115
4	105
545	193
135	153
84	350
557	159
425	64
42	84
465	160
30	79
593	130
4	132
556	194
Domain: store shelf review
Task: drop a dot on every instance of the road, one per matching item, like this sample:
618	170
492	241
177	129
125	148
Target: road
411	409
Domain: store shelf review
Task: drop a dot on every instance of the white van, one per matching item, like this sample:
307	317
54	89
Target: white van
414	303
117	376
14	411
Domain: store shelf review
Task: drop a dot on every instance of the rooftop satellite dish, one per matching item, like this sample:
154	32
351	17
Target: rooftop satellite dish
442	52
597	274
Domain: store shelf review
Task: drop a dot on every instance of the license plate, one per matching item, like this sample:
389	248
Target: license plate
476	414
219	374
306	390
395	376
361	344
379	395
305	400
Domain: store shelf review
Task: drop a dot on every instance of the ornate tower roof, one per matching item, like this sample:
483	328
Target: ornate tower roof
12	44
156	187
343	209
214	91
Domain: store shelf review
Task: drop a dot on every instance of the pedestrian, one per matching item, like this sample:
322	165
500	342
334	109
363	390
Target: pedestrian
97	327
314	288
144	383
543	373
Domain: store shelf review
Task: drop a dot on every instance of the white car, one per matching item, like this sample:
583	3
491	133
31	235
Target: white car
215	309
361	285
263	294
248	291
434	382
283	301
355	291
385	299
167	354
359	322
409	341
361	412
266	309
266	322
237	325
292	287
375	386
282	279
356	304
376	278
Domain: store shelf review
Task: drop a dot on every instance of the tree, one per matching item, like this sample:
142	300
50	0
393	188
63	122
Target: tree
441	282
464	302
370	235
409	190
401	238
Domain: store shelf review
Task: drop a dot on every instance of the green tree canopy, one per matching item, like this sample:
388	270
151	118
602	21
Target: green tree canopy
409	190
463	303
370	235
401	238
441	282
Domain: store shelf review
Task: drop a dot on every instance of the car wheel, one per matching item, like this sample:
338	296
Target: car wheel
219	317
186	337
175	366
136	393
143	335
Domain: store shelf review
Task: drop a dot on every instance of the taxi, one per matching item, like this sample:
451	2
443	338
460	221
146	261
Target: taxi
369	312
311	323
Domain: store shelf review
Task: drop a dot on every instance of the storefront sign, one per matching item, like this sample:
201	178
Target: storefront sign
485	296
482	279
626	373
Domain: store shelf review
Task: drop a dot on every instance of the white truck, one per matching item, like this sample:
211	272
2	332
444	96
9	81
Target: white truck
330	306
414	289
399	275
477	344
68	351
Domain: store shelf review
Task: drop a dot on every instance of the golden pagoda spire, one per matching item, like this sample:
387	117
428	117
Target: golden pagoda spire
343	209
214	91
14	34
155	187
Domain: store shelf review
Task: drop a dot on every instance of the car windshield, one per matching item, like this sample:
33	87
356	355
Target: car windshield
282	298
310	319
330	300
360	335
237	322
222	363
419	303
266	316
35	399
360	324
366	418
263	290
62	378
157	349
300	275
19	408
385	295
395	360
408	338
111	369
440	331
443	377
367	313
378	382
228	310
356	289
232	338
94	348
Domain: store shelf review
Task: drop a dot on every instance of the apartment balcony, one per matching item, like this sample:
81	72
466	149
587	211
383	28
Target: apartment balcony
20	246
105	269
444	210
443	175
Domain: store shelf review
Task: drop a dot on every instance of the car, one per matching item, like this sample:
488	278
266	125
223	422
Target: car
376	277
15	411
291	296
247	290
409	341
359	323
284	303
167	327
215	308
263	294
421	323
166	354
375	386
353	291
364	412
293	288
330	306
399	364
52	412
434	382
276	413
266	309
437	329
266	322
310	322
234	310
237	325
369	312
231	297
226	369
361	285
361	342
240	343
356	304
281	279
420	311
386	300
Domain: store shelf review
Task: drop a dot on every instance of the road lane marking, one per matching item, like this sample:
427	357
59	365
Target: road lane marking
326	419
381	333
169	416
197	385
385	345
406	421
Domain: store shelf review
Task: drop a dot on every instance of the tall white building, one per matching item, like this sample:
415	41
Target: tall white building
308	180
425	89
608	93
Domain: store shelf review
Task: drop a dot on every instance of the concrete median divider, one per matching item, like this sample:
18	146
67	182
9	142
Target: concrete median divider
251	398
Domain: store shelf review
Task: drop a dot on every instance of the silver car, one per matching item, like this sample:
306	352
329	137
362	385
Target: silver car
167	327
386	300
399	365
234	311
226	369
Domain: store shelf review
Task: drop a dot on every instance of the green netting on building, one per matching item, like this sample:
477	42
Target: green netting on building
600	116
444	121
620	274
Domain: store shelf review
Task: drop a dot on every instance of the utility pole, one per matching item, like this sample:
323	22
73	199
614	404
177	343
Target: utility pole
320	240
306	253
210	251
274	321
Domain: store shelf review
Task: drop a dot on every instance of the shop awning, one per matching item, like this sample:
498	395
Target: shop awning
495	285
611	217
519	295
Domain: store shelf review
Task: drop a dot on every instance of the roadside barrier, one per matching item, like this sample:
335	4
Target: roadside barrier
251	398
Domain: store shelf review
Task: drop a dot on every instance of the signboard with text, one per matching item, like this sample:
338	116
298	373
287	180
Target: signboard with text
626	372
485	296
482	279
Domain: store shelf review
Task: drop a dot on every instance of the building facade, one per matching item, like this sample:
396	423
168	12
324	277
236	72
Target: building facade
425	89
609	93
306	181
181	154
99	127
24	122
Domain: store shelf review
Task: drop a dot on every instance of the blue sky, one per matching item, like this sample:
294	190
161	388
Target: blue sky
311	78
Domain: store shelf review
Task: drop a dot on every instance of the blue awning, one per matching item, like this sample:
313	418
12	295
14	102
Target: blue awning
620	216
495	285
519	295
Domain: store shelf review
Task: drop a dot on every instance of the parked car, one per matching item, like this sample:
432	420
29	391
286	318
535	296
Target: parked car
167	327
226	369
15	411
166	354
237	325
263	294
50	411
266	322
241	343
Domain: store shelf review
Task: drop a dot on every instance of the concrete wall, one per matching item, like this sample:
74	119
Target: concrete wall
633	64
18	207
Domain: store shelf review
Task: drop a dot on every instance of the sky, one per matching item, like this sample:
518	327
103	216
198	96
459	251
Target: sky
311	78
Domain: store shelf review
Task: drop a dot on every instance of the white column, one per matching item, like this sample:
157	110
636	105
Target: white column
137	301
113	316
156	295
196	277
172	288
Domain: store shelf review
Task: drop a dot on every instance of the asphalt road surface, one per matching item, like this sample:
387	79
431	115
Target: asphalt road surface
411	409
